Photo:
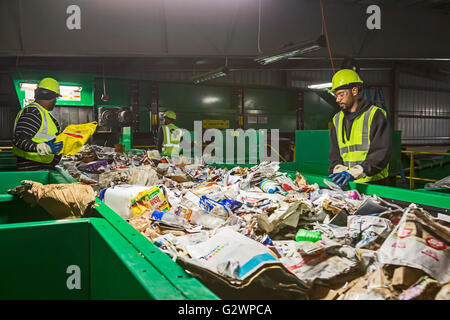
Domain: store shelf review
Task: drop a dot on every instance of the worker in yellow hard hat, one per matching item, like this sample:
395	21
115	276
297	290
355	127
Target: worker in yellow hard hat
169	135
35	130
360	137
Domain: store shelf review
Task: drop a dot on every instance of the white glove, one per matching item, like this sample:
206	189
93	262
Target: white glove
43	149
357	172
176	134
339	168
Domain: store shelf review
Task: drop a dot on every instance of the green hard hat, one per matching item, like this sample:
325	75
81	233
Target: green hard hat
344	77
49	84
170	114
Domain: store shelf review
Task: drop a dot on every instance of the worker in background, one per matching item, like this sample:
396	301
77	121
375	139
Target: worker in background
169	135
35	130
360	138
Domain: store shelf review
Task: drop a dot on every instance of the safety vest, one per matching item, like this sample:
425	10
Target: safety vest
354	150
46	132
172	138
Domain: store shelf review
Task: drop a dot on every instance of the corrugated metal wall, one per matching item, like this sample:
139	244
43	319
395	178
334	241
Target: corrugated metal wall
73	115
375	78
423	110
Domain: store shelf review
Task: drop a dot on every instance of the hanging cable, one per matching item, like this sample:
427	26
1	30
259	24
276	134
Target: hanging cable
259	27
324	25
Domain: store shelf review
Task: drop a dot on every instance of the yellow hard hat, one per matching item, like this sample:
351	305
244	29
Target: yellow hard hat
345	77
50	84
170	114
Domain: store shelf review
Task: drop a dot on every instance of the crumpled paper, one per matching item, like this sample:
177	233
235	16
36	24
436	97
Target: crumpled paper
62	201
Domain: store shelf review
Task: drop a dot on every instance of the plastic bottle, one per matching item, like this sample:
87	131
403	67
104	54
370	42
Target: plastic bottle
119	198
199	216
306	235
269	186
169	218
206	220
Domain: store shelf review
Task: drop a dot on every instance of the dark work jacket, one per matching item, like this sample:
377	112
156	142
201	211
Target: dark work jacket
380	141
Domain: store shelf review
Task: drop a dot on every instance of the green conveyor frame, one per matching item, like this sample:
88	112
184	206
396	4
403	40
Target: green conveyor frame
117	261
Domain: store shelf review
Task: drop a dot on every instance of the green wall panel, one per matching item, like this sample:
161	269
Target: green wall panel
317	112
197	103
119	91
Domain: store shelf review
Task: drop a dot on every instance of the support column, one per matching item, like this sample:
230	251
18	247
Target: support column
135	105
240	108
300	110
393	108
154	108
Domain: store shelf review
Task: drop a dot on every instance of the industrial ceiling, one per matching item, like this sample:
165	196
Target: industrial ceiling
158	35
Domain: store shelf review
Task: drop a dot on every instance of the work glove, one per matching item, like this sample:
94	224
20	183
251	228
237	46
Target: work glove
49	147
341	178
357	172
43	149
339	168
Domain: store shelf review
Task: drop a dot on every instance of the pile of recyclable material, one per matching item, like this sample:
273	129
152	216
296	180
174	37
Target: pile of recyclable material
259	231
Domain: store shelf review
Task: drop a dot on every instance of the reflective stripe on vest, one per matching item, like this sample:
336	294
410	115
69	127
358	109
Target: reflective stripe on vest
47	131
354	150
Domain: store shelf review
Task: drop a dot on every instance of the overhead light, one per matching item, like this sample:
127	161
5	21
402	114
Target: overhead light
320	85
292	50
65	88
221	72
208	100
28	85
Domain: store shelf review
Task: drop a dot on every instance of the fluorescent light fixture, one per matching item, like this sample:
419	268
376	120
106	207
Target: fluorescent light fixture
320	85
208	100
292	50
221	72
70	88
28	85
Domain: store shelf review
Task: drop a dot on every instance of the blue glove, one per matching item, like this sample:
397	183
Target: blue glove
341	178
56	147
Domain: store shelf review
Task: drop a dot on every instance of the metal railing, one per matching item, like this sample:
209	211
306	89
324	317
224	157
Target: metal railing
411	165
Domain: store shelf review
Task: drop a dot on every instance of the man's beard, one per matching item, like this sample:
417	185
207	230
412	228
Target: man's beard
344	107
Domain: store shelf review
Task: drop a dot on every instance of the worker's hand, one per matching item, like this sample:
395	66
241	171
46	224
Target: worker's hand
55	147
339	168
357	172
341	178
43	149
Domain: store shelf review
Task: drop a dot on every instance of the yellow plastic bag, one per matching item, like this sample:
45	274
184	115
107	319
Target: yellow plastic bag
75	136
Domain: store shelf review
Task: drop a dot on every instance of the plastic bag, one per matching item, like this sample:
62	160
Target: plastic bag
75	136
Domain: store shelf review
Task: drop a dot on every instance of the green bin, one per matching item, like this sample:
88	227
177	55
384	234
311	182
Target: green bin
115	260
81	259
12	208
